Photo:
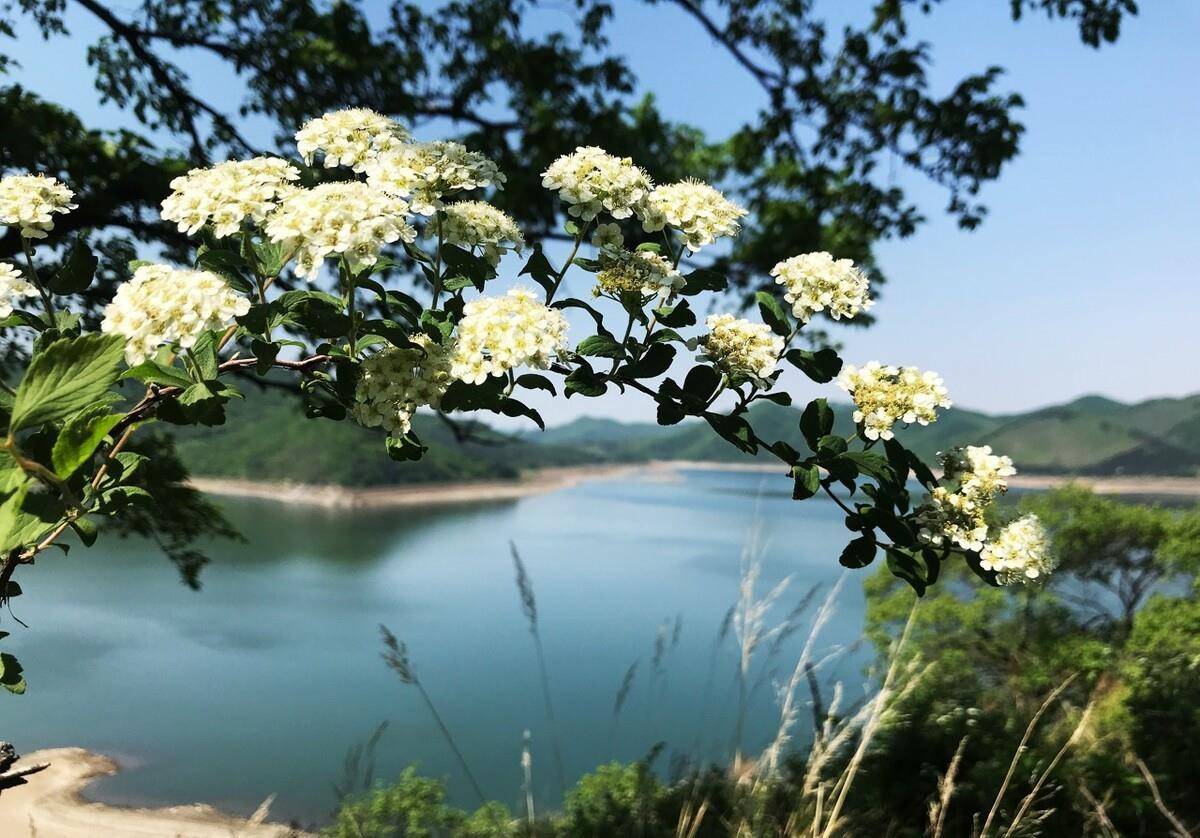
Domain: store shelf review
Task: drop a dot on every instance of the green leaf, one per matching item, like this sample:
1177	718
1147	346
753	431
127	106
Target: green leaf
772	313
10	674
655	362
873	464
702	280
735	430
585	382
859	553
77	271
86	530
821	366
533	381
270	256
26	516
540	269
816	421
65	377
515	408
670	413
808	481
152	372
701	382
405	449
80	437
227	264
677	316
904	566
603	346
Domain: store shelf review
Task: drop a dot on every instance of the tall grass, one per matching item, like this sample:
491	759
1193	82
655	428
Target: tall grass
395	655
529	607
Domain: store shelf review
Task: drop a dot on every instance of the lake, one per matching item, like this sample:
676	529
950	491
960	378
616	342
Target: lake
260	682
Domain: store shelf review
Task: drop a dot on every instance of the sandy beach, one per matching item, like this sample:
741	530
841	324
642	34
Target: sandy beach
51	805
553	479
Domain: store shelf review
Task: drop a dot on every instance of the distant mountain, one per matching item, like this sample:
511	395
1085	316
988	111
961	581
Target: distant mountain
1092	435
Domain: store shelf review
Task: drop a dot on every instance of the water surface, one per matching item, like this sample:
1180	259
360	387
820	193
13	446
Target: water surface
260	682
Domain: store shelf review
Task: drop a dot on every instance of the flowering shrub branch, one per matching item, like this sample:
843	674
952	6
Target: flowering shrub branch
376	354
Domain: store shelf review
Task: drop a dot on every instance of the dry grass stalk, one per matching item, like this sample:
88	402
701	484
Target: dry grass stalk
1020	752
878	705
1103	825
937	812
1075	736
788	711
1177	826
529	606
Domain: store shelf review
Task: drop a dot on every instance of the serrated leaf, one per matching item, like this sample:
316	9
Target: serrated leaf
80	437
65	377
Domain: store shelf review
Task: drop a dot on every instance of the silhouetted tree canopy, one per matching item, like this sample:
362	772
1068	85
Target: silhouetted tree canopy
840	107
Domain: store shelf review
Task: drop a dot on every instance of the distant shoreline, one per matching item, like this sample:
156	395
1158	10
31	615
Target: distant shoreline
545	480
51	803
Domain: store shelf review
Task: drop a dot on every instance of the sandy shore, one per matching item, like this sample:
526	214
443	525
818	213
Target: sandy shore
552	479
51	805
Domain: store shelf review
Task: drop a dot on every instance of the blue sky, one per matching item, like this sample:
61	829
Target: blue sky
1083	279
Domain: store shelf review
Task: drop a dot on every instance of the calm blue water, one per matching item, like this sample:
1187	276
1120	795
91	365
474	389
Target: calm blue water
259	683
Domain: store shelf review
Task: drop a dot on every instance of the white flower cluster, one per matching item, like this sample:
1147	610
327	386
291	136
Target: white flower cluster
1020	553
818	282
228	194
13	287
348	218
426	172
395	382
164	305
351	137
497	334
884	396
740	347
957	514
593	181
637	273
30	201
472	224
694	208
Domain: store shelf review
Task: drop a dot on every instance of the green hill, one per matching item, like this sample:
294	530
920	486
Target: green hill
1092	435
268	438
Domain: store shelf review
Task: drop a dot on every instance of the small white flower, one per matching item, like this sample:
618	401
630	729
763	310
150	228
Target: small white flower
424	173
700	212
471	224
884	396
228	194
497	334
13	286
351	137
346	218
608	235
817	282
1020	553
31	201
395	382
637	273
741	347
592	181
163	305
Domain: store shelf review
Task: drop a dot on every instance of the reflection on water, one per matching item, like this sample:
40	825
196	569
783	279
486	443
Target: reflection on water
260	682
